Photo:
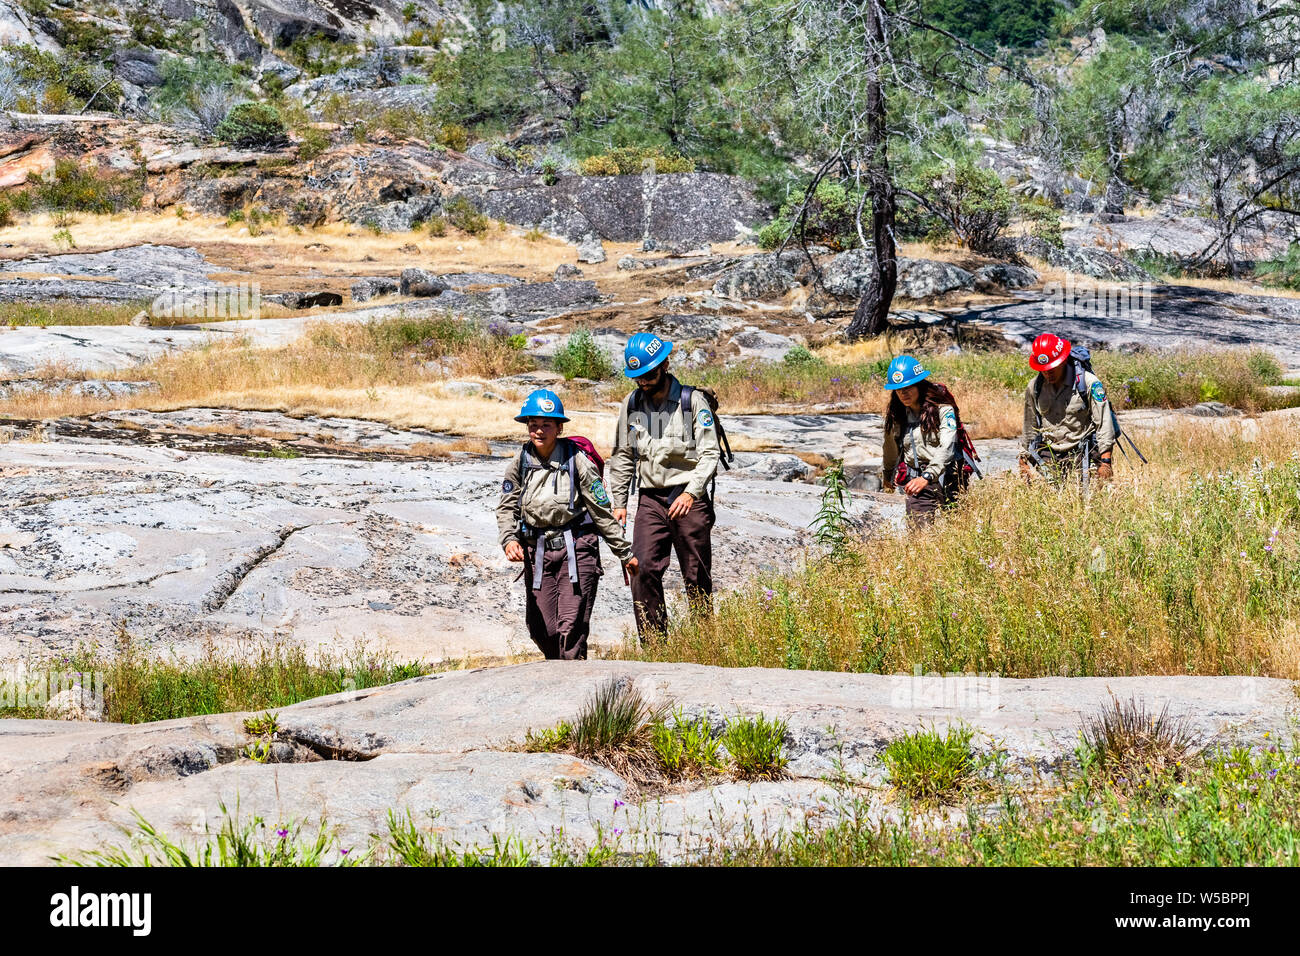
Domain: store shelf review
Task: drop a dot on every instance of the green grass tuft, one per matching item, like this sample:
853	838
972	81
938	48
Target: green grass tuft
928	766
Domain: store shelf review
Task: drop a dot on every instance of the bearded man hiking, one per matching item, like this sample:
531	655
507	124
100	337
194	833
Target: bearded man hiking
1069	425
666	453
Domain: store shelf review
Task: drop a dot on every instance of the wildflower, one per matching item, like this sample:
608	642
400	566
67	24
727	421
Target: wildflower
347	851
768	594
617	832
618	803
282	833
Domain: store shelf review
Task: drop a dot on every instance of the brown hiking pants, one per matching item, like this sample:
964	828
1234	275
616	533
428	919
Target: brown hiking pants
654	538
559	613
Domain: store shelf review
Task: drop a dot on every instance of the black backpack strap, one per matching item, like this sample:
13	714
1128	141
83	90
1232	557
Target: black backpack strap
687	407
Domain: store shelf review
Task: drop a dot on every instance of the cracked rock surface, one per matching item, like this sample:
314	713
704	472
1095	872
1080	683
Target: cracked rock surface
438	743
182	546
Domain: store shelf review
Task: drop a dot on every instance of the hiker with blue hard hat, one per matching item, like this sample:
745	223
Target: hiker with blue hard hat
927	452
1069	428
552	513
667	450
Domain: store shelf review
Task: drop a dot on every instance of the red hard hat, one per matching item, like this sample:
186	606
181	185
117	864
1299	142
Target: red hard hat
1048	351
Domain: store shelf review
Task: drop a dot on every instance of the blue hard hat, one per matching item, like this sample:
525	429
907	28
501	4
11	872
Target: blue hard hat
645	351
904	371
542	403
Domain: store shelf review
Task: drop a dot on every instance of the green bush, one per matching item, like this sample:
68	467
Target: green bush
633	160
71	82
314	142
1283	272
686	748
581	357
6	212
73	189
252	125
830	217
465	216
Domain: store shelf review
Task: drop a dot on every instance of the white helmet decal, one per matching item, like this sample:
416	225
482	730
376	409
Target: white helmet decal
897	376
546	405
653	346
633	362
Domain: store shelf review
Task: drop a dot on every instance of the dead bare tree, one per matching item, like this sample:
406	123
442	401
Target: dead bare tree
865	76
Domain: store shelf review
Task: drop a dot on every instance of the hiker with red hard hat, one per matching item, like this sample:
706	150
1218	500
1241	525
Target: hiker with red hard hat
1069	425
927	452
553	511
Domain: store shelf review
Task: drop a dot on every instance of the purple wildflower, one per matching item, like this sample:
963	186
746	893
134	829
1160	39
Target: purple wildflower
282	833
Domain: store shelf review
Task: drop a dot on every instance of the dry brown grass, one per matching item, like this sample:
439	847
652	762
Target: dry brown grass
1185	566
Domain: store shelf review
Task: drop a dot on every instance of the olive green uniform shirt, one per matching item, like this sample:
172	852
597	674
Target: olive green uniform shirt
663	459
543	501
931	459
1068	417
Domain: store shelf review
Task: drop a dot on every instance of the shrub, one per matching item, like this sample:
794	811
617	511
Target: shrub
1131	747
454	136
74	189
6	212
1284	271
314	142
252	125
70	82
437	226
967	203
581	357
633	160
830	217
757	747
927	766
465	216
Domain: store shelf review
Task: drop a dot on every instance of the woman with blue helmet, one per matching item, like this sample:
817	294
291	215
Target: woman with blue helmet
553	511
921	424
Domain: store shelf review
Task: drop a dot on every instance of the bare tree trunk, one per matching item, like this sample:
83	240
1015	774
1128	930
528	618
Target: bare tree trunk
872	314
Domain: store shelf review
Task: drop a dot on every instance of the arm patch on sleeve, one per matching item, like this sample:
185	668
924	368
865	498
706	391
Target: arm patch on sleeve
598	492
705	418
507	486
950	418
1098	392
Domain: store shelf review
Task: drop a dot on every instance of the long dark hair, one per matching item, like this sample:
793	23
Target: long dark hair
933	394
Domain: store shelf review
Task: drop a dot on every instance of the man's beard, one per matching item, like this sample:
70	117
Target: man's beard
651	385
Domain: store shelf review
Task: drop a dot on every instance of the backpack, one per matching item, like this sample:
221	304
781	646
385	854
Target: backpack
528	462
1081	361
956	477
636	403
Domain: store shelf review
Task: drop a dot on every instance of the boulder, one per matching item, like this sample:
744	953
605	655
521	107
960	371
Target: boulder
567	270
632	263
755	277
418	282
754	343
846	275
689	208
304	300
590	250
1091	261
678	327
771	467
925	278
1001	275
364	290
